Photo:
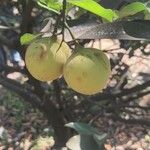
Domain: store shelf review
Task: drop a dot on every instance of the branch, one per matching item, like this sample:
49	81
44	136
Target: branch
131	121
20	90
126	106
27	20
115	30
9	69
119	94
117	118
5	41
136	96
8	27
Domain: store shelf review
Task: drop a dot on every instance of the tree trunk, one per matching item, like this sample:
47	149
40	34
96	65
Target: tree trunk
56	119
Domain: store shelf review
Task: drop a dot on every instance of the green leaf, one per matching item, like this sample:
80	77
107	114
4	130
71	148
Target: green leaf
52	5
95	8
90	5
138	28
100	139
132	9
89	138
27	38
82	128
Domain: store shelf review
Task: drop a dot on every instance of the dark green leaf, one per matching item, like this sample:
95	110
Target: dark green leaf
100	139
82	128
93	30
138	29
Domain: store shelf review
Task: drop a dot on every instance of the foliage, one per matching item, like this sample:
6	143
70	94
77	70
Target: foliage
52	5
88	138
28	38
143	29
89	5
132	9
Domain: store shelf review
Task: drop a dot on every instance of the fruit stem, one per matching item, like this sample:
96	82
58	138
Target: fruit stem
78	47
44	48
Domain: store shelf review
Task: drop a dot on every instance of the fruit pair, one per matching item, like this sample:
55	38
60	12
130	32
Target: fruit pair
86	70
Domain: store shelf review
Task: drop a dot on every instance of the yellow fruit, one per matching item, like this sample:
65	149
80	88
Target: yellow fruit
43	59
87	71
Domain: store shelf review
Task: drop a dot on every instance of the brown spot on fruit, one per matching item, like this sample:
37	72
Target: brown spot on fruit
43	50
79	79
84	74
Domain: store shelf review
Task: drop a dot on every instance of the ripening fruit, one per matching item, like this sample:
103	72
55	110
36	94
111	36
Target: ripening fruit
87	71
43	59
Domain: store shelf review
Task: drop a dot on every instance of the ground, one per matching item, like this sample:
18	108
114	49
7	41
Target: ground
21	125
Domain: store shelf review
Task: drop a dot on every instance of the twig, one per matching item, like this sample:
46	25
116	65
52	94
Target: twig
7	27
128	106
7	69
73	37
131	121
137	96
118	118
95	118
56	24
64	17
63	14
